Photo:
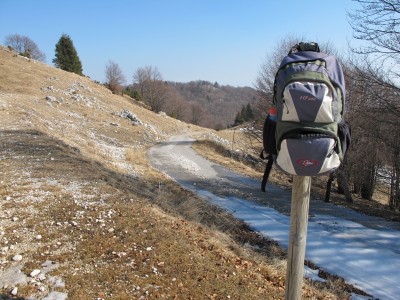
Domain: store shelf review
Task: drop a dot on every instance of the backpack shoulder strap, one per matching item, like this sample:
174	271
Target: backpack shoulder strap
266	173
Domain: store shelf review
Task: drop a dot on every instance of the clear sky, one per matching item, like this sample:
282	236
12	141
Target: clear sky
214	40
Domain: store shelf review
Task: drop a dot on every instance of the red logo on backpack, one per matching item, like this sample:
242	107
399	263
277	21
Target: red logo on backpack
307	162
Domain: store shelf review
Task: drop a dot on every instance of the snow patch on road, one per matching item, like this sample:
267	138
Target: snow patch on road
185	163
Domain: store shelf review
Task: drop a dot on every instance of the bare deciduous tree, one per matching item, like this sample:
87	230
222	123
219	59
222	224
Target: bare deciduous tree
24	46
114	77
197	113
377	23
175	105
374	115
148	81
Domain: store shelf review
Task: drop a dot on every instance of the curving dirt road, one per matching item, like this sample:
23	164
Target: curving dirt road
177	159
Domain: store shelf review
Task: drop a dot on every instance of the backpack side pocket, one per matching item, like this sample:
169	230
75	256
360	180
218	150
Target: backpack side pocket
269	141
344	133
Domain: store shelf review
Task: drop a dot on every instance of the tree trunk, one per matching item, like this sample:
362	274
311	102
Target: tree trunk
329	186
368	184
343	186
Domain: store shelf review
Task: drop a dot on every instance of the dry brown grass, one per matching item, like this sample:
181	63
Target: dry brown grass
236	160
76	173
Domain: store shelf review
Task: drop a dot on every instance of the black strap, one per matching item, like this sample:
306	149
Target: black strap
305	47
266	173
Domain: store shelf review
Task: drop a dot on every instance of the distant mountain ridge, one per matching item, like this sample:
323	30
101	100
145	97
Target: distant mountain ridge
221	103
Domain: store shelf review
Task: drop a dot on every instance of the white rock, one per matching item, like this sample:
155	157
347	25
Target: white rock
14	291
38	237
51	98
41	276
17	257
34	273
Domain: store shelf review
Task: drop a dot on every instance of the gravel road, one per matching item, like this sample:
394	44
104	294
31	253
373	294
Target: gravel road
177	159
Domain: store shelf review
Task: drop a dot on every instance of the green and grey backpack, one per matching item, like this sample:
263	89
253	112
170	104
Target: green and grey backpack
309	95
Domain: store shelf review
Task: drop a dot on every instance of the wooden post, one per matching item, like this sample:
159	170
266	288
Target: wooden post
297	236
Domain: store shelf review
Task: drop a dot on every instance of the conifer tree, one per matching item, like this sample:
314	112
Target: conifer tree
246	114
67	58
249	113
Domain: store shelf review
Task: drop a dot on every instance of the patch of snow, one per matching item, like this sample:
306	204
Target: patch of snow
312	274
367	258
56	296
185	163
212	136
12	276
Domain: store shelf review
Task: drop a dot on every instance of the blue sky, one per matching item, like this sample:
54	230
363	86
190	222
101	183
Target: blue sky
224	41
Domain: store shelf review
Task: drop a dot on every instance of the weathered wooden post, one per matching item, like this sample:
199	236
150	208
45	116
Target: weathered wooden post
297	236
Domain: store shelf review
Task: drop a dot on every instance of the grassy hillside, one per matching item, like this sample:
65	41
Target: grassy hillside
84	215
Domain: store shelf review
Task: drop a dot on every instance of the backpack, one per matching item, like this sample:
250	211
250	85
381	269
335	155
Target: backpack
309	94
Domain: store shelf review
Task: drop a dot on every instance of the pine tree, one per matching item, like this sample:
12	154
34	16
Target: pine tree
67	58
243	114
246	114
249	113
238	119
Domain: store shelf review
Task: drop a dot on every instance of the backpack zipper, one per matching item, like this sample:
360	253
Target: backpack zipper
287	108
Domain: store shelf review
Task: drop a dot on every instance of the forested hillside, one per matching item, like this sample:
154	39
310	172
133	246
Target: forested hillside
210	104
